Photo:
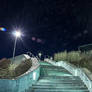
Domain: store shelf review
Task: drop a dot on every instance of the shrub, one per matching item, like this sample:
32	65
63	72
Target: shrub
11	69
61	56
74	57
80	59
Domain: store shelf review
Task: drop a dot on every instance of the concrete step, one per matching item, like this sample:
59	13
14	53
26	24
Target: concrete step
62	84
60	81
45	63
54	70
52	67
60	77
57	79
55	73
58	90
58	86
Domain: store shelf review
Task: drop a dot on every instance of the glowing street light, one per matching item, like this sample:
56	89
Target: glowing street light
17	34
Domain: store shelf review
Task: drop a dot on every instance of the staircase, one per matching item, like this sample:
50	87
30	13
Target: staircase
57	79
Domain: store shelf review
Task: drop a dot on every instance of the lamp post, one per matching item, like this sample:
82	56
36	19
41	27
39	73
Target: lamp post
17	34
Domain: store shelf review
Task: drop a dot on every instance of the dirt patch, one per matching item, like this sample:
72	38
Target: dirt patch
8	70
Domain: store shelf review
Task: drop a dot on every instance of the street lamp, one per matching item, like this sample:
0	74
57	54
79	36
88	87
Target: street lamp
17	34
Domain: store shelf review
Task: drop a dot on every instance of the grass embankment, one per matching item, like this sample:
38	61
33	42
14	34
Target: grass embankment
76	58
8	70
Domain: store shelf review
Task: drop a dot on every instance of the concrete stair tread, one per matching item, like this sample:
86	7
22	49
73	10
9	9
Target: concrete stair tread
62	84
57	79
57	73
48	66
45	63
58	91
49	79
58	86
39	90
54	70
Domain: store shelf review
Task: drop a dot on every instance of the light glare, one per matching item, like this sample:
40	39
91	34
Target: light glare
2	29
17	33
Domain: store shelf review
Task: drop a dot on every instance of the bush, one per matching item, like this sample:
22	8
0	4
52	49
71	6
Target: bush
80	59
11	69
61	56
74	57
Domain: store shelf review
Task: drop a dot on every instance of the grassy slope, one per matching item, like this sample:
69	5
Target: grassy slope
76	57
8	70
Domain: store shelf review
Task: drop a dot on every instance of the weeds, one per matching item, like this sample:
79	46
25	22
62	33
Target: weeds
76	58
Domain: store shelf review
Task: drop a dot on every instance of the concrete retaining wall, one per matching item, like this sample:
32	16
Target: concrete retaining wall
20	84
24	82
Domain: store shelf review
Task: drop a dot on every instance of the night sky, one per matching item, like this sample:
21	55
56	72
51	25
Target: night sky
48	26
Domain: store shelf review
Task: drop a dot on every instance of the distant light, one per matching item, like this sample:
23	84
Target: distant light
40	54
17	33
39	40
2	29
33	38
